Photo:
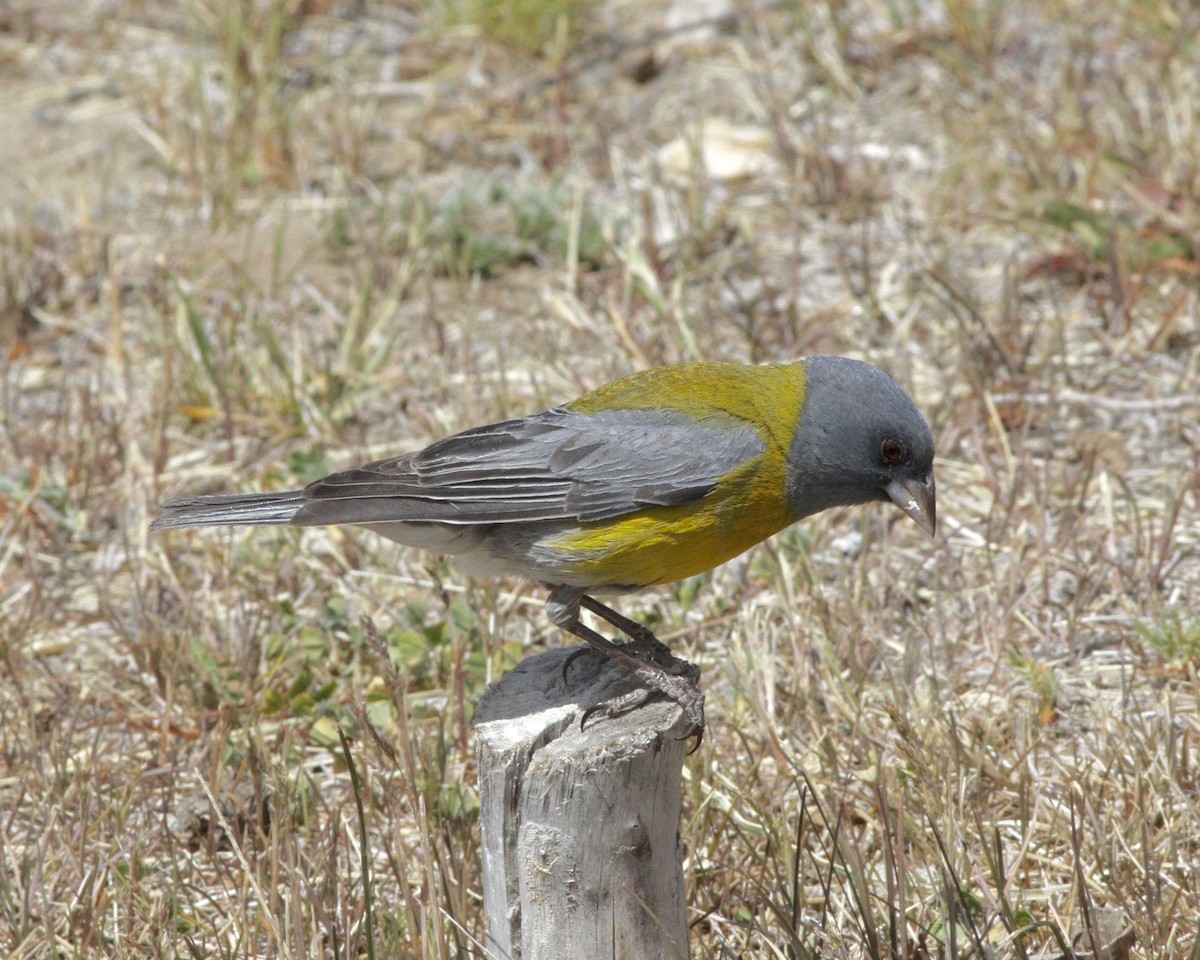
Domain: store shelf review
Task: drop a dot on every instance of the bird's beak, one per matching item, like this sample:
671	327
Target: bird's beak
916	498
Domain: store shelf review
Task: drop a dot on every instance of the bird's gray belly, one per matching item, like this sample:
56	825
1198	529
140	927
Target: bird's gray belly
490	549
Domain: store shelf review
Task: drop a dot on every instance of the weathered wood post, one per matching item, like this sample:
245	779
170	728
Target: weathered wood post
581	850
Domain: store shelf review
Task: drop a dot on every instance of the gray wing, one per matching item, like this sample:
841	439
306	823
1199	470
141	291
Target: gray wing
556	465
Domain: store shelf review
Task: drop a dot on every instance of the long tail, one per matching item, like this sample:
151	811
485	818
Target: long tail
230	509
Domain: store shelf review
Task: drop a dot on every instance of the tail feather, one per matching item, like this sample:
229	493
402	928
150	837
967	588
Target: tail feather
230	510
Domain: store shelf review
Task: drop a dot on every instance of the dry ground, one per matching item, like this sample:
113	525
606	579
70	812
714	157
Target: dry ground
242	243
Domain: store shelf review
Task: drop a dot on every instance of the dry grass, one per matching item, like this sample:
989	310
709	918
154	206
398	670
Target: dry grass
245	242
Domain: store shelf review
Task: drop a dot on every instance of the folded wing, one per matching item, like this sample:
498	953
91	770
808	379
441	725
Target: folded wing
557	465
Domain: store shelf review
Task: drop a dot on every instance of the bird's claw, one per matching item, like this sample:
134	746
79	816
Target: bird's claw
571	658
676	680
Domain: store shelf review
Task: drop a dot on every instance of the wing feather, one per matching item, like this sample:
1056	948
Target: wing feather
556	465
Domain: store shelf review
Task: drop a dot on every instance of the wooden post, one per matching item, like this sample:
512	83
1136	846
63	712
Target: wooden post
581	851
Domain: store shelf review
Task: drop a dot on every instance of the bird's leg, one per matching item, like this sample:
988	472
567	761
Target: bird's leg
644	656
642	641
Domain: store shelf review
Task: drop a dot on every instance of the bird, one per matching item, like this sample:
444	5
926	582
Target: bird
656	476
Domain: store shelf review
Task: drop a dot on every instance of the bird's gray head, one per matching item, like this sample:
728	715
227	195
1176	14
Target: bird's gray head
861	439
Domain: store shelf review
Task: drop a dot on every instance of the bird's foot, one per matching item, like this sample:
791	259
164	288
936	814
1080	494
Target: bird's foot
659	673
657	669
645	648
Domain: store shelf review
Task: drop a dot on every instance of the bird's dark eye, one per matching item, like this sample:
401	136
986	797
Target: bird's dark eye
892	452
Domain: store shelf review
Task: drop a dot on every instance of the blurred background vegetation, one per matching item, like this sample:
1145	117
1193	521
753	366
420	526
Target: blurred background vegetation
245	242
